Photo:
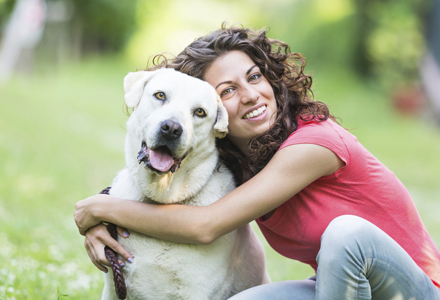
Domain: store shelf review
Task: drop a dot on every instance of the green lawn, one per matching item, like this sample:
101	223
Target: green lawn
61	140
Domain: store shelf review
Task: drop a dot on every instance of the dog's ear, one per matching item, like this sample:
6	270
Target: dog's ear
221	124
134	84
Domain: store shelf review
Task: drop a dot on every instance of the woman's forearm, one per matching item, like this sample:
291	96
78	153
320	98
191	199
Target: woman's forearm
177	223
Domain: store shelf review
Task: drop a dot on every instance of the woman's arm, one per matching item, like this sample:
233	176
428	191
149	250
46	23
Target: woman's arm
289	171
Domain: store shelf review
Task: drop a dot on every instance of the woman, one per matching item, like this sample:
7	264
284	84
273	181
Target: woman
318	196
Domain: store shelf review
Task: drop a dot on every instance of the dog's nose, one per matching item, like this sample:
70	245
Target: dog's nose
170	129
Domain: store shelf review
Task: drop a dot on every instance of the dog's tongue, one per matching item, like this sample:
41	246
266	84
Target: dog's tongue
161	159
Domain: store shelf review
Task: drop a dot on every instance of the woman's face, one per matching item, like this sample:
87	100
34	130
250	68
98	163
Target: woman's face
246	95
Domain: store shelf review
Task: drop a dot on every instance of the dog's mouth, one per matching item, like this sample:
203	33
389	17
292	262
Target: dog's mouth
159	160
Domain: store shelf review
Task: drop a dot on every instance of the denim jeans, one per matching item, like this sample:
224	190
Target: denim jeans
357	260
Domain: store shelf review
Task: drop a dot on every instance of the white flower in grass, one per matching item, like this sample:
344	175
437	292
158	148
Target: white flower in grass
82	282
56	253
11	278
69	268
42	275
51	268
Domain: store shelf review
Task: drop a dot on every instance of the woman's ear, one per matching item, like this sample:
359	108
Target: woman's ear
134	84
221	124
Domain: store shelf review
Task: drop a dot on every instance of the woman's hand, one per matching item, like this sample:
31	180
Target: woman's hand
88	210
97	238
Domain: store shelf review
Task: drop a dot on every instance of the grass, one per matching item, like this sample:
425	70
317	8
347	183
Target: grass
61	140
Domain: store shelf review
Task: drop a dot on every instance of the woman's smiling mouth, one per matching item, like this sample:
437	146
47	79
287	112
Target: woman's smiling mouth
255	112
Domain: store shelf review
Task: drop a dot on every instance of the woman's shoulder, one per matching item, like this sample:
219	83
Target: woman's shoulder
316	131
326	133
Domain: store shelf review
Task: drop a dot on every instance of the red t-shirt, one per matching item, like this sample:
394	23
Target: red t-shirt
363	187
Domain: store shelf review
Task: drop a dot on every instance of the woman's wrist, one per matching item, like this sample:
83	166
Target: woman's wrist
100	208
103	210
92	211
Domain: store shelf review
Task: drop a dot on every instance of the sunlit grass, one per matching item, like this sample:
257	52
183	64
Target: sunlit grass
61	140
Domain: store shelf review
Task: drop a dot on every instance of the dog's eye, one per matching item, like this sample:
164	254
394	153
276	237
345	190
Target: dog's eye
160	96
199	112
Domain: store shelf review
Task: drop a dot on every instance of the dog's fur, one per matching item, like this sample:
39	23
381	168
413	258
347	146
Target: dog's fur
167	270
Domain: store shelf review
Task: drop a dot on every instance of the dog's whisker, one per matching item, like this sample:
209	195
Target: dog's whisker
171	180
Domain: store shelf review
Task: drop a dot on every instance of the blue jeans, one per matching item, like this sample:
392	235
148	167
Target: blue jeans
357	260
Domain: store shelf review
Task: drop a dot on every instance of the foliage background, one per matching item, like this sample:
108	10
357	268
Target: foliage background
62	121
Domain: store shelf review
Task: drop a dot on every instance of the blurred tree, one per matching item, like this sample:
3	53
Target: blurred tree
98	26
390	40
6	7
105	25
378	38
430	68
323	31
168	26
22	33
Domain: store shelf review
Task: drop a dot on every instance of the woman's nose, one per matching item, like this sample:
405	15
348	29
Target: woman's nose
249	94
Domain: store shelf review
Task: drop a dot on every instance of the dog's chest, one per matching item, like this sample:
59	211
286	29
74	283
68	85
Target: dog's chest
173	270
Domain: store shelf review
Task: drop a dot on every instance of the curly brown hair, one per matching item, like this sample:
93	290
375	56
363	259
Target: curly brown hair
283	69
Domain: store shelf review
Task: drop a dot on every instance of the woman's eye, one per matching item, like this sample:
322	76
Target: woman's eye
225	92
254	77
199	112
160	96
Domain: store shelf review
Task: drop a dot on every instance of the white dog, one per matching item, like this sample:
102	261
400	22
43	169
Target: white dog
175	121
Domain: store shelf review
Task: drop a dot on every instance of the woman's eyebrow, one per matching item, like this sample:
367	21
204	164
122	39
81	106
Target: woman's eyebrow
222	83
247	73
250	69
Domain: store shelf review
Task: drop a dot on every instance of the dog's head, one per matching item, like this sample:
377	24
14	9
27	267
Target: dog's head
173	115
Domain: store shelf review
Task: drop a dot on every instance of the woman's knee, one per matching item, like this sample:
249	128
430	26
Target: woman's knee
346	233
346	226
